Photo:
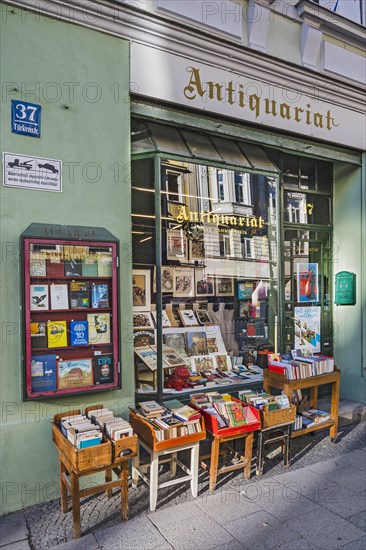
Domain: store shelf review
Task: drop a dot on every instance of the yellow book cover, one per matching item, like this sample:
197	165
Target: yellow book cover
57	334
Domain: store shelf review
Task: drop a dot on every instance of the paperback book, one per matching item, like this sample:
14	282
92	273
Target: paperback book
59	297
39	297
79	294
100	296
99	328
38	335
57	334
43	372
79	333
75	374
103	369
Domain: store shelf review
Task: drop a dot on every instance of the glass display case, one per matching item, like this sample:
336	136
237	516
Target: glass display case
70	310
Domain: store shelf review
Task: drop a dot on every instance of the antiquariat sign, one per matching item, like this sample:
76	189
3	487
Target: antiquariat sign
182	215
169	77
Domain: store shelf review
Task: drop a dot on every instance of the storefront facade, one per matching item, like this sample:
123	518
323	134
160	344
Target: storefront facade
227	141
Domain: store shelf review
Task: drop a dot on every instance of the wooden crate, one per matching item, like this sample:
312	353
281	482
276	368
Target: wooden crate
212	425
81	460
146	431
278	416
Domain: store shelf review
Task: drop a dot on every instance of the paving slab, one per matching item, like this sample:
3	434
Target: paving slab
226	504
359	519
136	534
357	459
232	545
89	542
358	544
186	524
19	545
260	531
13	528
325	530
342	474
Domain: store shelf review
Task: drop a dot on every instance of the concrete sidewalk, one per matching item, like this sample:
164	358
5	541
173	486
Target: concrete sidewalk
318	503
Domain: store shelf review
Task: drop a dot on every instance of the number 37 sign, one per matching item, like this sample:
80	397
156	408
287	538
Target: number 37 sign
25	118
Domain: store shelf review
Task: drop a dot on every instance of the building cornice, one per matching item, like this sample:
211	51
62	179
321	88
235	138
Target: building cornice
156	31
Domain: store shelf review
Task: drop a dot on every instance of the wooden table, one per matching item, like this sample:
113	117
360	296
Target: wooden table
75	463
280	381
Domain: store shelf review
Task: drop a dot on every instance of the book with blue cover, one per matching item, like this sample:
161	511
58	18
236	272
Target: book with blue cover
100	296
43	372
79	333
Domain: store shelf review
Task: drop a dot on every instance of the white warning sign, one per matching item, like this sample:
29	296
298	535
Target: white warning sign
27	172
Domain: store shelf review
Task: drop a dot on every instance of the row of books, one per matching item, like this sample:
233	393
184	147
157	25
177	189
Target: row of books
173	419
80	431
227	411
57	334
310	418
48	373
80	294
303	367
264	401
114	427
64	264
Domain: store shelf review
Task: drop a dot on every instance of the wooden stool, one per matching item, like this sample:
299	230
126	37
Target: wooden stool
153	482
271	434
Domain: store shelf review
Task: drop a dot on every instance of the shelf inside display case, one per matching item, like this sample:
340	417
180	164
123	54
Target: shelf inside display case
70	310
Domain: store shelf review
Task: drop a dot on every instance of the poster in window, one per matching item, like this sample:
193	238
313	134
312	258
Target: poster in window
176	245
307	328
307	283
141	291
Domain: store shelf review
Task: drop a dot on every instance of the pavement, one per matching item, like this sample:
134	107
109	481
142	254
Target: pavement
318	503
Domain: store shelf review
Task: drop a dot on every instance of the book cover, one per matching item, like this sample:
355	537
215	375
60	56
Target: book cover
39	297
307	328
196	343
89	267
99	328
143	338
59	297
307	283
245	290
176	340
38	335
79	294
104	264
171	358
75	374
103	369
79	333
57	334
148	356
73	267
43	373
55	267
37	266
100	295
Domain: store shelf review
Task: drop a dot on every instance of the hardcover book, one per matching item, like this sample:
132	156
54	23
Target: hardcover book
39	297
99	328
38	335
57	334
103	369
55	267
89	267
100	295
73	268
74	374
104	265
37	266
79	333
59	297
79	294
171	358
176	340
143	338
43	373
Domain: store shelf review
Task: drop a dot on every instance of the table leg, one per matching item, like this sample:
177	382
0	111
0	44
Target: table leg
260	456
214	464
108	477
123	475
135	466
334	408
173	464
75	505
314	397
287	443
154	468
194	469
63	488
248	454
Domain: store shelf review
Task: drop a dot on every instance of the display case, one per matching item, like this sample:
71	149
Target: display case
70	310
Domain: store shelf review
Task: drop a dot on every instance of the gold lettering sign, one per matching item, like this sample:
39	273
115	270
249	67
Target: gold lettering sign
182	215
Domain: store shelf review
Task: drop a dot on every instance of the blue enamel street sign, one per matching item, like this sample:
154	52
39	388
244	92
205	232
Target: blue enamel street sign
25	118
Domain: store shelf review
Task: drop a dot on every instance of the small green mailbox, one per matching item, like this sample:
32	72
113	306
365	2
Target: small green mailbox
345	288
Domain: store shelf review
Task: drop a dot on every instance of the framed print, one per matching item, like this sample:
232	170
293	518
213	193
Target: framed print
172	359
204	283
141	290
203	317
167	278
148	356
212	344
188	317
143	338
307	283
176	245
201	363
196	250
183	282
196	343
177	341
75	374
224	286
165	321
142	320
223	362
307	328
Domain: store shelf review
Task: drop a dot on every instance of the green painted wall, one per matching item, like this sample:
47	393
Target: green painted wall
66	66
348	255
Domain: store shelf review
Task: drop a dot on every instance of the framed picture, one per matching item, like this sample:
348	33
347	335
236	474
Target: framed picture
196	250
172	359
196	343
142	320
203	317
167	278
141	290
212	344
188	317
307	328
75	374
176	245
204	283
183	282
223	362
148	356
177	341
307	283
224	286
143	338
201	363
165	321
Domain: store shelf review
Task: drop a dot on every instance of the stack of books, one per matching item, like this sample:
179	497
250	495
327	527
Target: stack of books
313	417
264	401
302	367
114	427
80	431
227	411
